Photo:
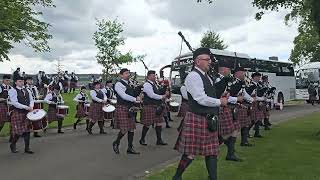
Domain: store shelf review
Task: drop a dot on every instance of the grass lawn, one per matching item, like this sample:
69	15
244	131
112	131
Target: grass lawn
291	151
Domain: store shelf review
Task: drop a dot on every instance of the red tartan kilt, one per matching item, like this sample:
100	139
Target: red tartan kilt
52	115
149	117
19	122
73	84
195	138
183	109
243	117
80	111
95	112
226	124
259	114
122	120
4	113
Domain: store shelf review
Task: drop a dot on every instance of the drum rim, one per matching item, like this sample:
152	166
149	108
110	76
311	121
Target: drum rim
106	106
41	110
174	103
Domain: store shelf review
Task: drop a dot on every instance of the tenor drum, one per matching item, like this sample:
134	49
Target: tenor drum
38	119
63	110
87	108
38	104
108	111
174	106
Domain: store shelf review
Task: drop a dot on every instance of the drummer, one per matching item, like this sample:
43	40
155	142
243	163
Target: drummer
95	112
4	88
109	92
53	98
81	99
35	95
22	101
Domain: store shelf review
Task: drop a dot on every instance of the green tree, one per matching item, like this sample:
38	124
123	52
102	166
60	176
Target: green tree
210	39
108	38
18	22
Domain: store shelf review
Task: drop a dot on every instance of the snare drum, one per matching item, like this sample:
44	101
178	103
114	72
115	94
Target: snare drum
108	111
174	106
38	104
38	119
87	108
63	110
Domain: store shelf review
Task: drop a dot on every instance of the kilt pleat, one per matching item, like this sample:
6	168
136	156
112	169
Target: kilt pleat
3	112
243	117
183	109
149	117
122	120
226	124
19	122
52	114
81	113
95	112
195	138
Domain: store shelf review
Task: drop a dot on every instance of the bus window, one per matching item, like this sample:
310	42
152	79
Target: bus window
175	78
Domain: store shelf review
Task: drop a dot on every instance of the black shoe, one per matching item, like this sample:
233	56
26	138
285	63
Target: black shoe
132	151
115	147
74	126
161	143
233	158
36	135
60	132
102	132
13	149
246	144
143	143
167	126
89	131
170	120
28	151
258	136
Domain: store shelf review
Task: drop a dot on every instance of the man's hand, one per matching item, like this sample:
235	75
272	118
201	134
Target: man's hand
223	101
240	99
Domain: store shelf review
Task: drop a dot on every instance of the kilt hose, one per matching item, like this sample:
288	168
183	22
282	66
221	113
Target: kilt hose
122	121
195	138
149	117
19	122
95	112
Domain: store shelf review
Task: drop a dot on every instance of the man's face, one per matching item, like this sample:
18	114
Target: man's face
203	62
6	81
29	81
19	83
97	86
224	71
240	75
152	77
83	90
125	75
257	78
109	85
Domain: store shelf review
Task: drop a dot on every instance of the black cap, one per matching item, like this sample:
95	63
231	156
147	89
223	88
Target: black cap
151	72
83	87
109	81
19	78
201	51
6	76
224	63
239	68
255	74
124	70
96	82
28	78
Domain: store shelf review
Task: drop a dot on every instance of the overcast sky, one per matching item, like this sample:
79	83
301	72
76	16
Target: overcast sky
151	28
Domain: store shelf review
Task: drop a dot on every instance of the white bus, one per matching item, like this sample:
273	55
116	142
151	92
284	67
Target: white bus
306	74
281	74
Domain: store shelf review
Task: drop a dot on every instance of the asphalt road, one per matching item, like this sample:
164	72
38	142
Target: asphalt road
76	155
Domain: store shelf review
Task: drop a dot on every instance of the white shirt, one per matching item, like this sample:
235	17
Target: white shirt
184	92
78	97
48	98
13	96
30	87
94	97
194	86
121	91
148	89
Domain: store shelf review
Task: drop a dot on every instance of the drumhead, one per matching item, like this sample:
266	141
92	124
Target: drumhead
108	108
113	101
38	101
63	107
174	104
36	114
87	105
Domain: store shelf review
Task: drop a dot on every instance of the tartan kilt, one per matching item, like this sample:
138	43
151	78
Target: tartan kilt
73	84
266	110
81	113
243	117
19	122
259	112
226	125
149	117
95	112
122	120
52	115
183	109
4	113
166	110
195	138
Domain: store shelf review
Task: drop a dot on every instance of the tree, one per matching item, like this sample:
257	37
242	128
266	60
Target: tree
18	22
210	39
108	39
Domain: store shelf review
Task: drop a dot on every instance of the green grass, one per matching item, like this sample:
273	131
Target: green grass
289	152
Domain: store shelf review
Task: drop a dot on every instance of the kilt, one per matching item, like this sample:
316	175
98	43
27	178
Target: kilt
243	117
81	113
183	109
149	117
3	112
195	138
19	122
226	124
259	115
122	120
95	112
266	110
73	85
52	114
166	110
